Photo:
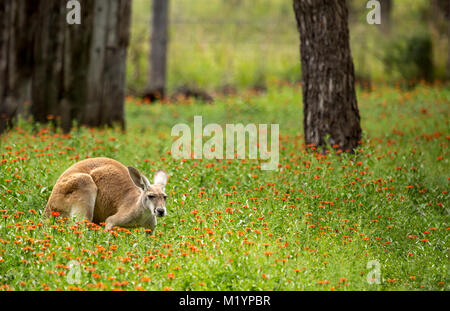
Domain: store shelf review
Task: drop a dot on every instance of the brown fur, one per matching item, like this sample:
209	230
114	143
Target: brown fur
104	190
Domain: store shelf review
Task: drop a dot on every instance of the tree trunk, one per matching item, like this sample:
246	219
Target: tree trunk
440	20
47	84
76	58
156	86
386	9
106	72
329	98
79	70
15	58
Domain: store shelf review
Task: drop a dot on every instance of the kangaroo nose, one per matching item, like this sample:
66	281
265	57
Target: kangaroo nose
160	212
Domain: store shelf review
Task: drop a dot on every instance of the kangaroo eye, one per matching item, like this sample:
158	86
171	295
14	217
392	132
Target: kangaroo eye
165	197
151	196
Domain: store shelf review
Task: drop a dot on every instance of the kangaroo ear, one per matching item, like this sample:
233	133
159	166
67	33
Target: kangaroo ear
160	178
138	179
146	182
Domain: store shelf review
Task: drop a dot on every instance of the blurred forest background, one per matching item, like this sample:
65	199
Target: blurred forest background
228	45
61	72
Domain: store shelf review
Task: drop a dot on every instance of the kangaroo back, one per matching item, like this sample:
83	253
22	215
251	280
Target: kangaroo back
92	188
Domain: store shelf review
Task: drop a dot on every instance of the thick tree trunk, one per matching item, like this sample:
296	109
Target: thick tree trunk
67	72
78	40
156	86
47	83
15	58
330	106
106	72
79	70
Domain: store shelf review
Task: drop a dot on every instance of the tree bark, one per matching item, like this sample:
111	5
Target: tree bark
78	71
106	72
158	55
76	56
329	97
48	68
15	58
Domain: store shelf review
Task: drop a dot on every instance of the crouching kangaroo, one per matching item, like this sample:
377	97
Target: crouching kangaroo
104	190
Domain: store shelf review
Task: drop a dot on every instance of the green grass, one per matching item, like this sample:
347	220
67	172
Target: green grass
314	224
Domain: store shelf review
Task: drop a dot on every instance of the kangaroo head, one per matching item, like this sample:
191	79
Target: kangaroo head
153	196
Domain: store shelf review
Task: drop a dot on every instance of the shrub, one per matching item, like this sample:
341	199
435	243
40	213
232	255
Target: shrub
410	56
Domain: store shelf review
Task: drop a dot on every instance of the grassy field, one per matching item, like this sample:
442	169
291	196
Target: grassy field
321	222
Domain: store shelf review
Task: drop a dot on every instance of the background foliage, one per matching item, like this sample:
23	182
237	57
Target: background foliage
218	44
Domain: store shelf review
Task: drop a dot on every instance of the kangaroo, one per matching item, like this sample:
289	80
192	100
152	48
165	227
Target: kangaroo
104	190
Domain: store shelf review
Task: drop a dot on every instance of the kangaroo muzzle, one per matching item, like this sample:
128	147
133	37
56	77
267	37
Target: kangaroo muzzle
160	212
